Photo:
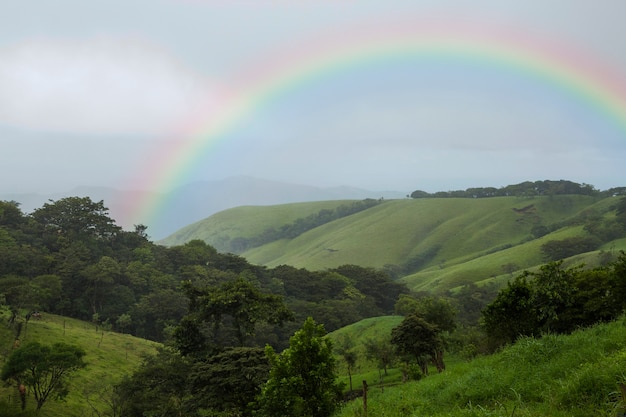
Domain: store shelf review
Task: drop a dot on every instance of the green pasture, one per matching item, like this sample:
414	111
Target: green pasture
110	356
575	375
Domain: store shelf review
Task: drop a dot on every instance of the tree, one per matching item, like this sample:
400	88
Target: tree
302	378
346	349
230	380
158	388
418	339
43	368
553	294
512	313
435	310
240	301
381	351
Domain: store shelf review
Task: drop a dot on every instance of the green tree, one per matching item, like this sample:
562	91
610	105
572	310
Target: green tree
512	313
241	302
346	349
43	368
230	380
302	378
418	339
435	310
158	388
380	351
554	289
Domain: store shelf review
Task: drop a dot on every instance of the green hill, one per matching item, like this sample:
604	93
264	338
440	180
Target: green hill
575	375
110	356
433	244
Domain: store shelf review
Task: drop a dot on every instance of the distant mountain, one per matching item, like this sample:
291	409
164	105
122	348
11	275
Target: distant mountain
196	201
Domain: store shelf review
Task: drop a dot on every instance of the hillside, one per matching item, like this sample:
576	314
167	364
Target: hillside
433	244
556	375
110	356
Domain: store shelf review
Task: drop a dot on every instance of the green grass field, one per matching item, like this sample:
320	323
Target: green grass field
574	375
109	357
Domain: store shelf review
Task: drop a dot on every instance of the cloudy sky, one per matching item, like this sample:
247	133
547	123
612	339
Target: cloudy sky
102	93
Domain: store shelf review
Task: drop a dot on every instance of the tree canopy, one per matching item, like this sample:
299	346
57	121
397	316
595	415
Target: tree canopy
302	379
44	368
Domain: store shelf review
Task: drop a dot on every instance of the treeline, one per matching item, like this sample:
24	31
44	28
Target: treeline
301	225
525	189
70	258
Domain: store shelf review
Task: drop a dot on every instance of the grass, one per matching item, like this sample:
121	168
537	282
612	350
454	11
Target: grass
245	222
573	375
110	356
470	240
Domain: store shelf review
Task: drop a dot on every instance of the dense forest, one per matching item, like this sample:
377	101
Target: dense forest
215	312
70	258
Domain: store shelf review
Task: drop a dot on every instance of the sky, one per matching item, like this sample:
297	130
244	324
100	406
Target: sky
127	93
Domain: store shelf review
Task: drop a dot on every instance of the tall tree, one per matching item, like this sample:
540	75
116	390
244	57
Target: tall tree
77	217
241	302
302	378
417	338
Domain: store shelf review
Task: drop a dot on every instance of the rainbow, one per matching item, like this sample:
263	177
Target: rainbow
554	66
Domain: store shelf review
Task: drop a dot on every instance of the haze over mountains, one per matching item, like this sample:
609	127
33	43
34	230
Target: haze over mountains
199	200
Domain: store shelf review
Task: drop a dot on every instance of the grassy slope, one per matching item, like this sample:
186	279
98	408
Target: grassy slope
574	375
247	221
473	239
109	357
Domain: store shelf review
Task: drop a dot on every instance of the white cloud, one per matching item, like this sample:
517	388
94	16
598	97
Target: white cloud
99	85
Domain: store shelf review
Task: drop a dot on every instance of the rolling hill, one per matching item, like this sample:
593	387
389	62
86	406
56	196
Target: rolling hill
578	374
432	244
109	357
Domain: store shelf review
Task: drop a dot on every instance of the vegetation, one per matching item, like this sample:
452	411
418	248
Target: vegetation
214	312
108	357
436	244
556	299
43	369
576	375
302	381
524	189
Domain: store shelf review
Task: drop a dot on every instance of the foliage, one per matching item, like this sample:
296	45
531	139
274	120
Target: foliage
159	387
302	378
435	310
346	350
229	380
240	301
524	189
512	313
555	250
574	375
417	339
555	299
380	351
43	368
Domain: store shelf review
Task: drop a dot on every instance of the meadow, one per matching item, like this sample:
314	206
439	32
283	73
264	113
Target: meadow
110	356
576	375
